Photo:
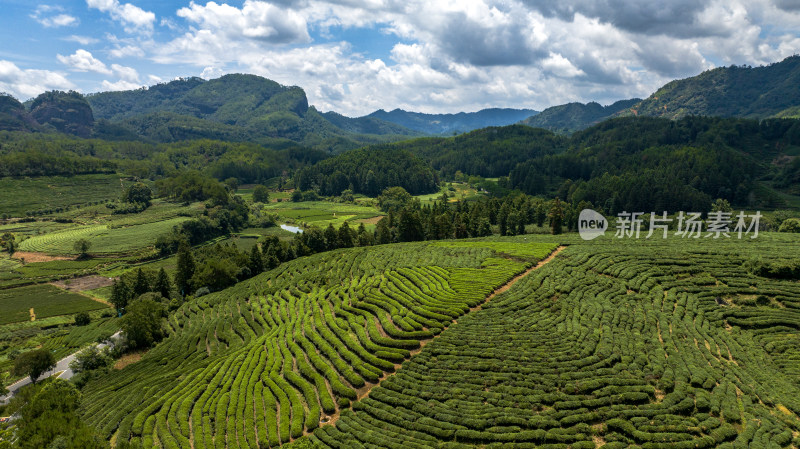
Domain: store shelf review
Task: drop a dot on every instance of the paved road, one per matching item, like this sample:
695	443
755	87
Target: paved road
61	365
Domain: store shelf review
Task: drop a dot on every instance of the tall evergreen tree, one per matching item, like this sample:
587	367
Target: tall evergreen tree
120	295
383	233
141	285
556	216
186	267
346	238
331	237
364	237
256	262
163	285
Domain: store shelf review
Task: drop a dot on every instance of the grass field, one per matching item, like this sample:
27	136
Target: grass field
104	240
51	192
456	191
45	300
322	213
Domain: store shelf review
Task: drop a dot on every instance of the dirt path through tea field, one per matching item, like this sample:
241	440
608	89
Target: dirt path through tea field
364	391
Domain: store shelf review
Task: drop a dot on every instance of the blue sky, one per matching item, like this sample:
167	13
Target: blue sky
358	56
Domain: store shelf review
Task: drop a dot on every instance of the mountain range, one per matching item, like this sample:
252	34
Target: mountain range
241	107
442	124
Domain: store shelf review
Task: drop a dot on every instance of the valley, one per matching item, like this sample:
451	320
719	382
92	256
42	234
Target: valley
280	276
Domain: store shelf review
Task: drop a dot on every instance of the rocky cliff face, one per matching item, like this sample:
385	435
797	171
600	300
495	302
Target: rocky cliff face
67	112
14	116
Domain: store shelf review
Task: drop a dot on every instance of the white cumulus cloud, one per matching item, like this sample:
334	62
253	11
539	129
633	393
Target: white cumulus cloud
26	83
53	17
83	61
132	17
119	85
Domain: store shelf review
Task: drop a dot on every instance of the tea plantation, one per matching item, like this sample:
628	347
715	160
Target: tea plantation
275	357
657	345
617	343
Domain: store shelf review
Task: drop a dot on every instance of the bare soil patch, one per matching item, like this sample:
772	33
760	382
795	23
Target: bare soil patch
31	257
84	283
373	220
129	359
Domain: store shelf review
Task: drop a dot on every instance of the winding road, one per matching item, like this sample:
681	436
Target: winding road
62	366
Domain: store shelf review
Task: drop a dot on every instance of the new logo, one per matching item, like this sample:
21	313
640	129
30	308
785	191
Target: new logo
591	224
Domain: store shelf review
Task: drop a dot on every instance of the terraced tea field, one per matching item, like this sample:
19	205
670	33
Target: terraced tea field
19	195
45	300
616	344
104	239
658	345
275	357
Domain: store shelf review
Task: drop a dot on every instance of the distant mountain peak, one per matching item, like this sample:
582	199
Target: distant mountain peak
571	117
734	91
460	122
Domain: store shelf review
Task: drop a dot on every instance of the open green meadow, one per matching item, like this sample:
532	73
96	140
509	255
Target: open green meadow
322	213
49	193
45	300
457	191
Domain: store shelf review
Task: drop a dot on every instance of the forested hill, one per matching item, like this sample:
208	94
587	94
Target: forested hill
237	107
489	152
735	91
571	117
772	91
632	163
448	124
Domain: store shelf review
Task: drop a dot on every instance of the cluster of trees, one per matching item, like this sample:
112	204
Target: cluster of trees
656	164
8	243
368	171
136	198
224	213
134	284
48	417
408	221
35	163
491	152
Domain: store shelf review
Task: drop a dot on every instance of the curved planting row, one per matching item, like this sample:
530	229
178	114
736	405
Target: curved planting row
271	359
644	345
104	240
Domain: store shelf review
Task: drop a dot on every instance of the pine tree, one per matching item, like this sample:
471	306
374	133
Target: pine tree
256	261
141	285
502	219
120	295
556	216
346	239
270	257
163	285
364	237
485	228
383	234
331	237
186	268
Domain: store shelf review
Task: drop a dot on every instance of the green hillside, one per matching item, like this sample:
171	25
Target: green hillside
573	117
236	107
613	345
735	91
444	124
272	358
